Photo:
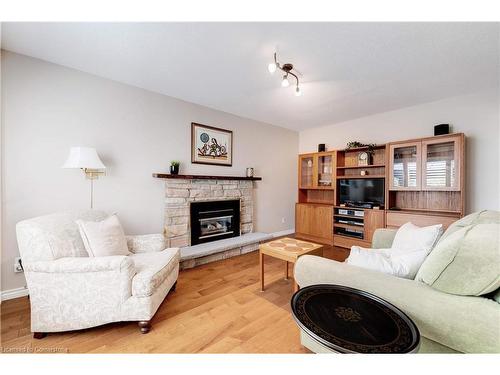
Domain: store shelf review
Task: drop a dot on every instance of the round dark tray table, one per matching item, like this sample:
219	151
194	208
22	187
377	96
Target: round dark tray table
348	320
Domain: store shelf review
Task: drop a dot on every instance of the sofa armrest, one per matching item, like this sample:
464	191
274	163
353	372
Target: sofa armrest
463	323
383	238
80	264
146	243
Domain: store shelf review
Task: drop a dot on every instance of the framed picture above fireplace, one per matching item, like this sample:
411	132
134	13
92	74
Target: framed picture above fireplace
211	145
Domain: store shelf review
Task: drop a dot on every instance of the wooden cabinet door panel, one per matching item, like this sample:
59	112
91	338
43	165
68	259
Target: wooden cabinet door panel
373	220
307	171
322	222
302	218
314	220
405	166
442	163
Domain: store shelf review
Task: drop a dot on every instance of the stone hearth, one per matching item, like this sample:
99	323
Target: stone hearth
181	192
192	256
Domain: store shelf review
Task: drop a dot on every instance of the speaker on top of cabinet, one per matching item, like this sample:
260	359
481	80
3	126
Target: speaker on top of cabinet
442	129
321	147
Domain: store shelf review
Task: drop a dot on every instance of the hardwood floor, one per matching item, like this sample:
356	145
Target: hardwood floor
217	308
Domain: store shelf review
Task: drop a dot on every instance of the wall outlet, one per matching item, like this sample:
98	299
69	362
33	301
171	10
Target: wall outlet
283	220
18	266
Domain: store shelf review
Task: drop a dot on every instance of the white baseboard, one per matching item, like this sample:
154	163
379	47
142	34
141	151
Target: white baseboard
14	293
283	232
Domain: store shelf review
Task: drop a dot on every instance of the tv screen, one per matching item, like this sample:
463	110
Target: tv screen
362	190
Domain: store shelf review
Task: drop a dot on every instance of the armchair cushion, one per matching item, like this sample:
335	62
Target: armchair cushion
146	243
152	269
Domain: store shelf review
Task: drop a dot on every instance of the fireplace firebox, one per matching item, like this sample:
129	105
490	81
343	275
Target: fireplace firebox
214	220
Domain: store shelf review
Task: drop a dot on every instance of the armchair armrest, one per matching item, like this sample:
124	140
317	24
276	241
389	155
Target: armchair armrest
383	238
146	243
80	265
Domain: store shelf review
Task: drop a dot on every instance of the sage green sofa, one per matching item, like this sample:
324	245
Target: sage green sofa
448	322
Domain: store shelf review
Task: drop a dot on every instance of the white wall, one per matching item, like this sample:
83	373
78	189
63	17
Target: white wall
476	115
47	108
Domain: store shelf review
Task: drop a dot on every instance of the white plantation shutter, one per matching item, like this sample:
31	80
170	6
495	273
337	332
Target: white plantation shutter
398	174
441	173
411	174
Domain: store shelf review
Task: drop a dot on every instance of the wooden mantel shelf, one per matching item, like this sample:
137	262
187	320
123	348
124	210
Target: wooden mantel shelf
202	177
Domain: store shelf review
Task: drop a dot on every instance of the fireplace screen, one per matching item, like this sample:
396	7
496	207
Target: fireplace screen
216	226
214	220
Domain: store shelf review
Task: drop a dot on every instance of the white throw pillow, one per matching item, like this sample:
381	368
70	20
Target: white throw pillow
103	238
404	265
411	246
373	259
410	237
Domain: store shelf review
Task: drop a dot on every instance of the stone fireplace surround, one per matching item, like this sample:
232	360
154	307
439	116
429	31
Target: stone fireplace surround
179	193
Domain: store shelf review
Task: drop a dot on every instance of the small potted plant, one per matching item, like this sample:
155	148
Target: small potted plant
174	167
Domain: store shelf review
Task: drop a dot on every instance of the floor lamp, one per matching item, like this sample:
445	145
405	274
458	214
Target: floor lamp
86	159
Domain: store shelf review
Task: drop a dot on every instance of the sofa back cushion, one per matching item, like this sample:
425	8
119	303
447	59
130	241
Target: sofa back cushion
480	217
53	236
466	262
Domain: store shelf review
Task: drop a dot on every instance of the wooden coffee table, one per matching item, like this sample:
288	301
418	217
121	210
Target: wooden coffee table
289	250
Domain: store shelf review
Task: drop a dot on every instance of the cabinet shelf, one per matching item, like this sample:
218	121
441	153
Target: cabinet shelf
367	176
348	216
357	208
363	166
359	228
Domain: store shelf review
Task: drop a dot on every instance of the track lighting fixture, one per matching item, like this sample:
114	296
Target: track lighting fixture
287	68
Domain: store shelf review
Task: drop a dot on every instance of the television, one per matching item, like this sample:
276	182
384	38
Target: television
359	191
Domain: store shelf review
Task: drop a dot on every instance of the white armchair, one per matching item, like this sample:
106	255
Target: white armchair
69	290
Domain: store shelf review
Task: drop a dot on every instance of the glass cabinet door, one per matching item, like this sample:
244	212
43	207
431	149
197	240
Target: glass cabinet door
441	164
405	166
325	170
306	167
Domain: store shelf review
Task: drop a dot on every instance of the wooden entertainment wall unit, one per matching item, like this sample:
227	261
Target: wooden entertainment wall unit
424	181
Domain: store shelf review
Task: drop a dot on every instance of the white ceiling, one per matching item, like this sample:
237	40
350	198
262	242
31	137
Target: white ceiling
349	70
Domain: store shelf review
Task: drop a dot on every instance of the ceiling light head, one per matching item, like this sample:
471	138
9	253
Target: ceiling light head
285	82
288	70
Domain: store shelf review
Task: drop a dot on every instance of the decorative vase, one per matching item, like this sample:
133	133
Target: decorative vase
249	172
174	169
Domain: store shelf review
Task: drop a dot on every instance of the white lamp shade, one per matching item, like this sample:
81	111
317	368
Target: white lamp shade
83	157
